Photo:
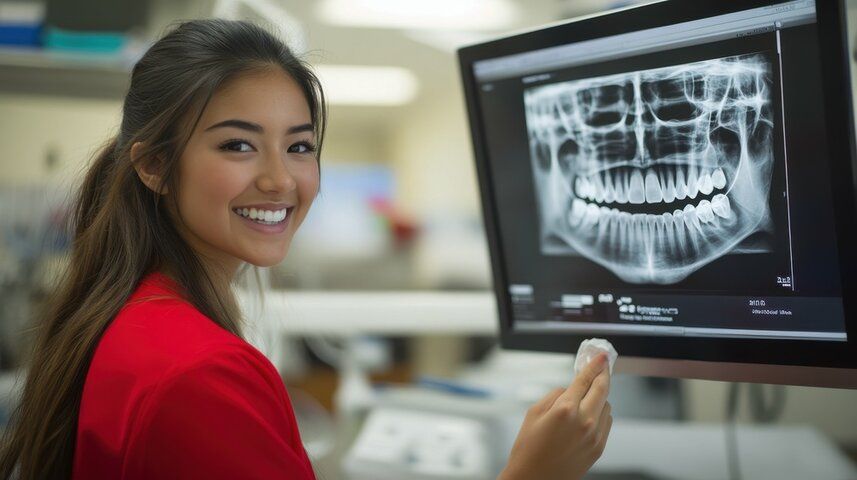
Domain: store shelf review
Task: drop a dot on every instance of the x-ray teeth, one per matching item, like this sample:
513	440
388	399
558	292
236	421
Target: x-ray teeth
654	173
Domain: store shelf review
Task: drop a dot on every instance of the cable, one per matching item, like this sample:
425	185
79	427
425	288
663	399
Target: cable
731	433
762	410
767	411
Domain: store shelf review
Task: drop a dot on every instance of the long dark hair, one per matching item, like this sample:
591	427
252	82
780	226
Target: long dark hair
122	230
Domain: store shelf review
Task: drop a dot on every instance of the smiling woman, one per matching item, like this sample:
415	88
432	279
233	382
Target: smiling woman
253	149
140	370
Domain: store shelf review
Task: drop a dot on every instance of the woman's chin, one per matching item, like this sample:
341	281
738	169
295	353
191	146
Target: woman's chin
264	263
266	260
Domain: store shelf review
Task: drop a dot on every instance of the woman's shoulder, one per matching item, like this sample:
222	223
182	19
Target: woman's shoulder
221	401
158	330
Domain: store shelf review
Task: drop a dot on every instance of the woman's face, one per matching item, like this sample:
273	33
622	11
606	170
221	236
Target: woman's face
249	173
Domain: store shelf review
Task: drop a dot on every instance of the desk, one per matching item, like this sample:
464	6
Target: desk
661	450
689	451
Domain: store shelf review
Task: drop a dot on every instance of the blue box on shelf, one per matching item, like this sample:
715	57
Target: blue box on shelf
83	41
20	34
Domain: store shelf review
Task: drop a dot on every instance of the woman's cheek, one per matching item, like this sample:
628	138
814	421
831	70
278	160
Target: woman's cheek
313	180
212	186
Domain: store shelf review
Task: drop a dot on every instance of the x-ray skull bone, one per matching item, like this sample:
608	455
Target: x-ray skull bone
655	173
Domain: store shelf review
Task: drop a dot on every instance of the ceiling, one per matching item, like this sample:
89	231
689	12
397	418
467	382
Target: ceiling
430	55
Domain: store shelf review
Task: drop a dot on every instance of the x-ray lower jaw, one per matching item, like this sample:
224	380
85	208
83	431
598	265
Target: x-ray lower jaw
656	173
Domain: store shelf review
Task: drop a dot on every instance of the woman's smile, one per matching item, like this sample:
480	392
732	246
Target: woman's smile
265	220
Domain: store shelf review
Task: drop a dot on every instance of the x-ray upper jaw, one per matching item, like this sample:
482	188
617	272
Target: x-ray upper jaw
655	173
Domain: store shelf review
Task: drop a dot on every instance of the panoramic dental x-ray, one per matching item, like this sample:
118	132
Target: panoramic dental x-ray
655	173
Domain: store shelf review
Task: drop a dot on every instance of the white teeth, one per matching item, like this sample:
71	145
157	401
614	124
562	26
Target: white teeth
598	194
579	187
703	210
678	218
653	188
705	185
636	192
718	178
692	182
586	189
262	215
631	186
690	218
578	209
680	185
619	187
669	188
591	217
720	206
609	193
609	196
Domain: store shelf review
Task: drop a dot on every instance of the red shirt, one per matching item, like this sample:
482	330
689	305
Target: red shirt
169	394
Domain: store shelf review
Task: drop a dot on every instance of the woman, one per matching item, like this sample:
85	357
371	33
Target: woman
140	370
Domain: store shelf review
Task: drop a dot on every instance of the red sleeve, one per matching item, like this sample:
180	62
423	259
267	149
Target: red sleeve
217	418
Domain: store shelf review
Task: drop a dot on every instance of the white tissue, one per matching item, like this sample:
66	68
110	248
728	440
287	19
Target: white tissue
589	349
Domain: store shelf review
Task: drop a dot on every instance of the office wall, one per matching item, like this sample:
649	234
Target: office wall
36	127
830	410
432	155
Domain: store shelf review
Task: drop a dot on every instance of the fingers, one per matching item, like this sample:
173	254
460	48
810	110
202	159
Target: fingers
593	401
547	401
583	381
604	419
605	424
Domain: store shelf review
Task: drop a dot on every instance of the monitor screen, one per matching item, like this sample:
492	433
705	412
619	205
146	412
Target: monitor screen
663	180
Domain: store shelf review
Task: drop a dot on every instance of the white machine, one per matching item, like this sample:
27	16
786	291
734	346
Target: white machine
422	434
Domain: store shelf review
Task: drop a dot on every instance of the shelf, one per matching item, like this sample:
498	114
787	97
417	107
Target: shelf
36	71
373	313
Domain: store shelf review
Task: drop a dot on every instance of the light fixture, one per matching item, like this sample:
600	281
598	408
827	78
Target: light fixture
420	14
367	85
446	40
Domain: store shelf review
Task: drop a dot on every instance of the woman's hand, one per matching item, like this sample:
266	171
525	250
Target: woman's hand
566	431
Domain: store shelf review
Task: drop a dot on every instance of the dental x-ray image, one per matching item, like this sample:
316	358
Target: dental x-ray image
655	173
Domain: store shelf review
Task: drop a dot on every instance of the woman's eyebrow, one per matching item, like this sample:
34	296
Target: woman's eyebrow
255	127
242	124
306	127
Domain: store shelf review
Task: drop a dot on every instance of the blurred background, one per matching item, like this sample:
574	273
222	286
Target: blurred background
385	293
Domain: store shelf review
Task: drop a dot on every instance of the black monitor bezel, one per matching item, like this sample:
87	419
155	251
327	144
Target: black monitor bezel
836	77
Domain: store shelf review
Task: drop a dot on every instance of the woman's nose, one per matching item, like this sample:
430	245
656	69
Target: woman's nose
275	176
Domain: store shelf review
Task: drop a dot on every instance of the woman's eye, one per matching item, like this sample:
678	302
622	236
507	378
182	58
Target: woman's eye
239	146
302	147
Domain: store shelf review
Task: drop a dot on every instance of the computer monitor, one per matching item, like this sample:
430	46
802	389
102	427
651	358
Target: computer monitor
678	178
